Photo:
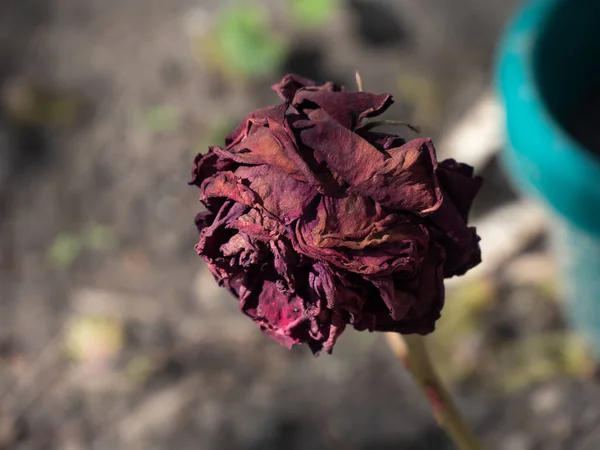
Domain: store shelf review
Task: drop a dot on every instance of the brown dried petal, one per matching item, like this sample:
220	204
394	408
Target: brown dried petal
402	178
348	109
316	222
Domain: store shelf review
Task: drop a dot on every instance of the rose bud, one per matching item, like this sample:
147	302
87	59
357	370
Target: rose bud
315	222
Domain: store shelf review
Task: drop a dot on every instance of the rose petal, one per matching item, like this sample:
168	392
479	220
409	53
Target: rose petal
414	305
255	116
290	84
461	243
402	178
281	195
208	165
367	248
270	142
459	185
398	302
279	314
214	234
225	185
381	141
349	109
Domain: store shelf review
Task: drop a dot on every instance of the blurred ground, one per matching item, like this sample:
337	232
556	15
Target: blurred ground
112	335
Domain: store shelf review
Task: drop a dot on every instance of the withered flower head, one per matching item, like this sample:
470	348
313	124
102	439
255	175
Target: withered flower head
314	221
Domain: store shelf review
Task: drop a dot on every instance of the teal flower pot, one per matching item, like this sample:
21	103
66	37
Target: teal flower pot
548	67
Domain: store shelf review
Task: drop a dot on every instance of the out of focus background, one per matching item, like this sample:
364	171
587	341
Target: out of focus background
112	333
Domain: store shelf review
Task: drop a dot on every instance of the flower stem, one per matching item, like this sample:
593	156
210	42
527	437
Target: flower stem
412	351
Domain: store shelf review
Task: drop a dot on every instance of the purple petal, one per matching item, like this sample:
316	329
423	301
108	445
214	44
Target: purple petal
269	141
348	109
459	184
402	178
208	165
346	233
413	305
283	196
290	84
279	314
225	185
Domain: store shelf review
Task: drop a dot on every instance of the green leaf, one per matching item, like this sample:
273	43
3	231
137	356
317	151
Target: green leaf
63	251
313	12
246	43
101	238
161	119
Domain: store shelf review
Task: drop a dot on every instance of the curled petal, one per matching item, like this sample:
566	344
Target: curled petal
413	305
258	224
461	245
214	234
272	143
225	185
261	114
281	195
208	165
338	325
279	314
243	251
402	178
320	235
459	187
285	262
290	317
290	84
381	141
348	109
397	302
204	219
459	184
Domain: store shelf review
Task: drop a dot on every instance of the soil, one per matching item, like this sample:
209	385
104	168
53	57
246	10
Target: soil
112	333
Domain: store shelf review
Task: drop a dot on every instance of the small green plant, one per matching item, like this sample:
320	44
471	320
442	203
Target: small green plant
66	247
63	251
313	12
243	44
100	238
161	119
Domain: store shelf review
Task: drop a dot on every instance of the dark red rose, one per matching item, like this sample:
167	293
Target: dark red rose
315	222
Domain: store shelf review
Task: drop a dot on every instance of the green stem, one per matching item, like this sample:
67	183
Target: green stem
412	351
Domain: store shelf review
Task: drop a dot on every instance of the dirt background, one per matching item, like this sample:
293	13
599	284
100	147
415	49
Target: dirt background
112	334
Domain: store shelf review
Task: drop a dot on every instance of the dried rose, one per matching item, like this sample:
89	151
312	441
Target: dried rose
314	221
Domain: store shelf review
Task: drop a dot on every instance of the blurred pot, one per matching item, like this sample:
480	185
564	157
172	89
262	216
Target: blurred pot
548	77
